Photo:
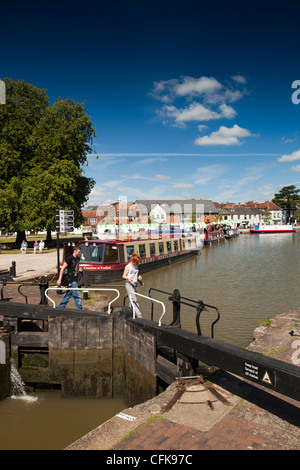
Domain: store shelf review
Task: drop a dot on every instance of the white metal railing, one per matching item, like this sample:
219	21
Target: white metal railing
113	300
82	289
146	297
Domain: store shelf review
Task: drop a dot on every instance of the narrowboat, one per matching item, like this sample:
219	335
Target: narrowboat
105	260
230	232
272	229
213	233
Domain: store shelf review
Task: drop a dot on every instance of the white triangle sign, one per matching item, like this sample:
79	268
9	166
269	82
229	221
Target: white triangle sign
266	378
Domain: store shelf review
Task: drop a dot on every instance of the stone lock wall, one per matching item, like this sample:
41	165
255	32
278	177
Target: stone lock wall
93	356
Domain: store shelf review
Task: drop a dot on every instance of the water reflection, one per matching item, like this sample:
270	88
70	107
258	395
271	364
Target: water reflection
248	279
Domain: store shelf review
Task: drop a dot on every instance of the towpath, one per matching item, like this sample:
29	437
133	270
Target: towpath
30	265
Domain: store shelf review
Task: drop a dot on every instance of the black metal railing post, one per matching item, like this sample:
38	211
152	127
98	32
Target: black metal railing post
175	298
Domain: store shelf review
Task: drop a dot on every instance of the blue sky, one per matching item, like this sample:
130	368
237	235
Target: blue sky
189	99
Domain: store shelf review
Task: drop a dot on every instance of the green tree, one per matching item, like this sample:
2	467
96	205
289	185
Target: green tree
296	216
287	198
266	217
42	151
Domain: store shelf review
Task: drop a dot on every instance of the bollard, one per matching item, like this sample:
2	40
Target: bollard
13	269
44	284
85	295
3	283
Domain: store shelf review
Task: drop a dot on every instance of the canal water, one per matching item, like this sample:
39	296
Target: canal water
248	279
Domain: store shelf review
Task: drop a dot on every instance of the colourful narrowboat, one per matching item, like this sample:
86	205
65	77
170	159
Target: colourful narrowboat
105	260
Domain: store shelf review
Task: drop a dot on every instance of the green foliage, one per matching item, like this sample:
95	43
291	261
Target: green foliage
266	321
42	151
266	217
287	197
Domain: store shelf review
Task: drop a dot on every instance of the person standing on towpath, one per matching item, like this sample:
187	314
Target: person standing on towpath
71	265
131	274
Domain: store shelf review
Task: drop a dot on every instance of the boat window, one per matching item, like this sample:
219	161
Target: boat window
152	249
111	254
142	251
169	247
91	252
129	251
161	248
175	245
183	244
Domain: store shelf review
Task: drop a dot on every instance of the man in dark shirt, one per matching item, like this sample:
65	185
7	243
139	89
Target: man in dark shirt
71	264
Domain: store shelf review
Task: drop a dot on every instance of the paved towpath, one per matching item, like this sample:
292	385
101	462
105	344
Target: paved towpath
30	266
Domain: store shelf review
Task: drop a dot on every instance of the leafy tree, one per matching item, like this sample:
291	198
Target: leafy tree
42	151
287	198
266	217
296	216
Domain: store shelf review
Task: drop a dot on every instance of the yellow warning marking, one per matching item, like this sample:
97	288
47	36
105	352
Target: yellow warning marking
266	378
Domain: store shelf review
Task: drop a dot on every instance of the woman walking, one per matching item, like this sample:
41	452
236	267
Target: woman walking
131	274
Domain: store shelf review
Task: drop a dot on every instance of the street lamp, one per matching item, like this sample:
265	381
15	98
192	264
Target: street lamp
119	200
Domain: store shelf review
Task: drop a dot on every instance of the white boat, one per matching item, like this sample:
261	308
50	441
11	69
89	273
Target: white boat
272	229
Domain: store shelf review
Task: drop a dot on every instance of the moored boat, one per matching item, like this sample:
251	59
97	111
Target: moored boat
272	229
213	233
230	232
105	260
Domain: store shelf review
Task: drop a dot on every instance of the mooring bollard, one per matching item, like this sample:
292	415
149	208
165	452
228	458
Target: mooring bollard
13	269
44	284
85	295
3	283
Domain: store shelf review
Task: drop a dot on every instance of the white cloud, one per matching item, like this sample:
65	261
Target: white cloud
162	177
197	86
183	185
227	111
167	91
201	99
148	161
207	88
291	157
224	136
296	168
207	173
201	127
194	112
239	79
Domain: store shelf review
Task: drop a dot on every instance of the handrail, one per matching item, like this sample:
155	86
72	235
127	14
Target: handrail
157	290
150	298
82	289
200	306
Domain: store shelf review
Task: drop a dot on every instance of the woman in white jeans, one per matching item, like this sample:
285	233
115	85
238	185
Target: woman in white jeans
131	274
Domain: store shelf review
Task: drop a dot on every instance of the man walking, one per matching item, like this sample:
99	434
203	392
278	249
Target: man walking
71	264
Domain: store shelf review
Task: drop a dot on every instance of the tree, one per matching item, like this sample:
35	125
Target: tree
42	151
266	217
287	198
296	216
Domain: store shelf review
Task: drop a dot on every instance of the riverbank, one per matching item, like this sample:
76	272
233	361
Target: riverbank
243	416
